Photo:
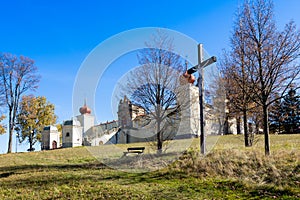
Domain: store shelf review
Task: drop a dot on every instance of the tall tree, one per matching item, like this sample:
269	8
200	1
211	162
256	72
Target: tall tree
155	83
269	56
234	71
235	81
34	114
17	75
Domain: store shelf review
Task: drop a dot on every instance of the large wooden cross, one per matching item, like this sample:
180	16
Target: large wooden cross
199	67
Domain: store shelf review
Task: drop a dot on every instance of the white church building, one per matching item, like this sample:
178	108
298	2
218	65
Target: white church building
133	124
78	131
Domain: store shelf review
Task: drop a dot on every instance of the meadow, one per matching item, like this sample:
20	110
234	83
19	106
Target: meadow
228	171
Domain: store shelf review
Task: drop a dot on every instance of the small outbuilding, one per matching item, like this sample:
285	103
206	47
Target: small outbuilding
50	138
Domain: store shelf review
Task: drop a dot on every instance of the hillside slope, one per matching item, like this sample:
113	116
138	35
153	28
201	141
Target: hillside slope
230	171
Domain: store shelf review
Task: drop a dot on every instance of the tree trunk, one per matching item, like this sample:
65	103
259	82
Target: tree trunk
10	131
30	143
266	130
159	138
246	134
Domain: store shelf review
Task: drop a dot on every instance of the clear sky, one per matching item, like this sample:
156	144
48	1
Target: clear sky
58	35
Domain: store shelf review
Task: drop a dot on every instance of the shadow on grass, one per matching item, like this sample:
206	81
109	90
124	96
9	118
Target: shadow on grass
88	175
41	177
10	170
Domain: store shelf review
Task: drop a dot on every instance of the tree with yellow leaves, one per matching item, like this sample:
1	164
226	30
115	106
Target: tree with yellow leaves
34	114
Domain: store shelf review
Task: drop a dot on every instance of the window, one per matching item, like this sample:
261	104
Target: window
67	134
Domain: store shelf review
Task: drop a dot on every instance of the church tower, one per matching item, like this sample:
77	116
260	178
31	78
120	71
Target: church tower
125	113
188	98
86	119
74	130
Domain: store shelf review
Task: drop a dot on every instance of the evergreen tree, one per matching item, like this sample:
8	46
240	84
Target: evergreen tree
276	115
291	112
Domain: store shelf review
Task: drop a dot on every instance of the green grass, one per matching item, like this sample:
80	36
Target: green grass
228	171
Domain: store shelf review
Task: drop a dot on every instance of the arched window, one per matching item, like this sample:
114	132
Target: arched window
67	134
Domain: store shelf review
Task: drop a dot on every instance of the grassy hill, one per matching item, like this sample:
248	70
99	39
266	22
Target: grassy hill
229	171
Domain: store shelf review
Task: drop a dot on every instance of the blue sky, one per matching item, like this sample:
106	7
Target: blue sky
59	35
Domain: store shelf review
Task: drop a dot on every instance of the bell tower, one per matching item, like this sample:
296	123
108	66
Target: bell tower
188	98
86	119
125	113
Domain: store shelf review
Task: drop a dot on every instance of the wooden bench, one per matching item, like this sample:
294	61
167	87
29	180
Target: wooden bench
138	150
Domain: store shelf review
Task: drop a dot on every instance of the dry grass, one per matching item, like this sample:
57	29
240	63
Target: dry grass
229	171
230	159
279	169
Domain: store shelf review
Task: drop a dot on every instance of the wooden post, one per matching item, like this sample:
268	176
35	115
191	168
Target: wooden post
201	99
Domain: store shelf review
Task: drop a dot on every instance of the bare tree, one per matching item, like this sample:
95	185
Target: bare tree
235	83
155	84
269	56
235	72
17	75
